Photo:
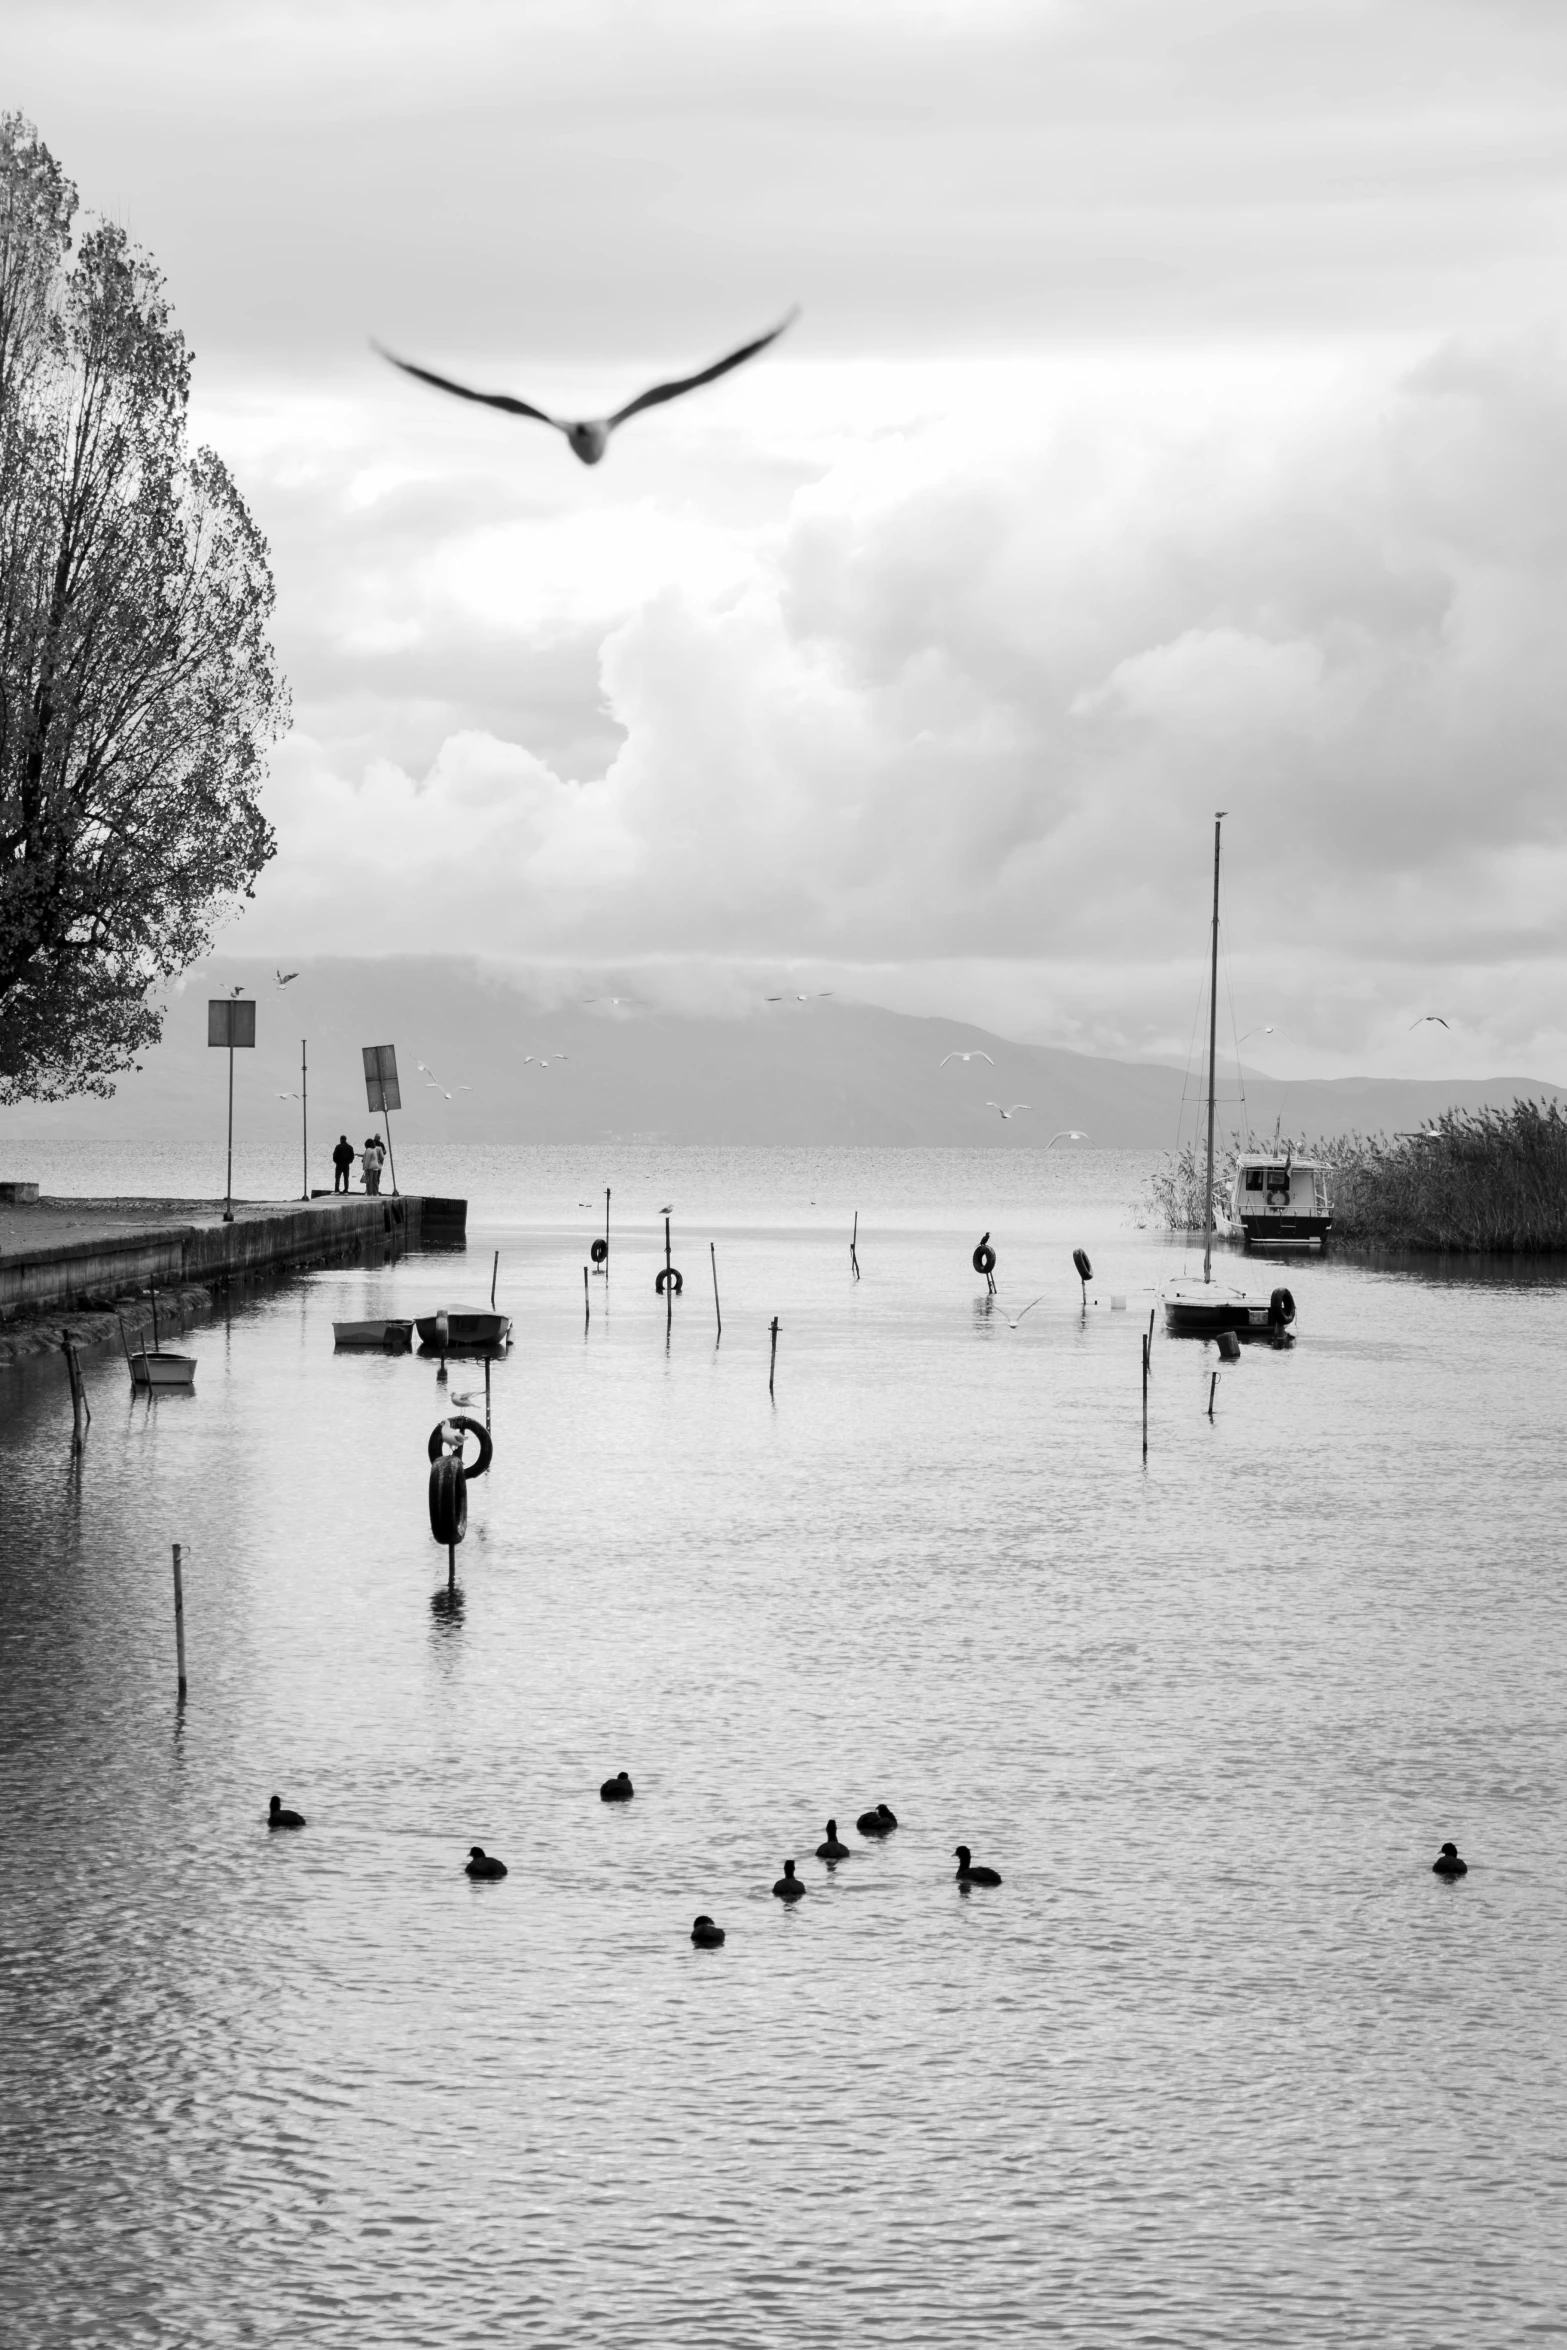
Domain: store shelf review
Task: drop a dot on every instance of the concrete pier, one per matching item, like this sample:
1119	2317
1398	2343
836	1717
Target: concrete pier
60	1253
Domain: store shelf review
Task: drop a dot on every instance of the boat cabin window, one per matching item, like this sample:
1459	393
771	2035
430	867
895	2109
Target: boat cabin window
1254	1179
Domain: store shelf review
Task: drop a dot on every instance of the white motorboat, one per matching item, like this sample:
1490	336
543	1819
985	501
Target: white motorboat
1279	1201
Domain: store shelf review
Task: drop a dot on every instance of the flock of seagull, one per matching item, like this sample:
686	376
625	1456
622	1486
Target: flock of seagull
873	1824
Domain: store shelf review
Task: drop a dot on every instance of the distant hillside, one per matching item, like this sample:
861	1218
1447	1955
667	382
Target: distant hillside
820	1072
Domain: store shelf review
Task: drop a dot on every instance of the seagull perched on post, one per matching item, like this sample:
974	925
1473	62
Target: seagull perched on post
1008	1113
589	436
975	1055
1424	1017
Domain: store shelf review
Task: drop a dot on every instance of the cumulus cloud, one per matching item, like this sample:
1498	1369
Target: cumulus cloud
972	704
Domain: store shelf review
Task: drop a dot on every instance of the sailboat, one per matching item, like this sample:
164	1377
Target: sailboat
1204	1309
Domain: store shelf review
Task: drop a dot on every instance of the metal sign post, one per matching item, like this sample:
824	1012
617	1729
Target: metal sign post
230	1023
304	1118
383	1091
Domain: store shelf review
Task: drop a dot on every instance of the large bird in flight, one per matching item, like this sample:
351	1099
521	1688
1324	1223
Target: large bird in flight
589	436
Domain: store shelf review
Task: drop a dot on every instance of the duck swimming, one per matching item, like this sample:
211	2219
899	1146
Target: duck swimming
479	1863
968	1874
879	1822
789	1887
617	1790
832	1849
1447	1864
706	1935
277	1817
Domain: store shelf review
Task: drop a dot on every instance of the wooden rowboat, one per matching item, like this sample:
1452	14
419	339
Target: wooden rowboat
385	1334
156	1367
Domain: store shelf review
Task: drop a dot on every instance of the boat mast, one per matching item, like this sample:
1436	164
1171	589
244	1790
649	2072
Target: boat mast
1213	1038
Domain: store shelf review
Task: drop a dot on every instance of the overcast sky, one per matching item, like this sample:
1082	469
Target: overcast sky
1177	420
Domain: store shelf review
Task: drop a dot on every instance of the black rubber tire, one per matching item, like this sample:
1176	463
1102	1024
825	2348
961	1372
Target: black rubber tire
671	1274
469	1428
984	1259
1281	1309
448	1499
1085	1271
599	1251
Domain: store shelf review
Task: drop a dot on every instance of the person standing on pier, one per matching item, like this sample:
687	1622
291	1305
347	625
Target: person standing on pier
342	1159
372	1155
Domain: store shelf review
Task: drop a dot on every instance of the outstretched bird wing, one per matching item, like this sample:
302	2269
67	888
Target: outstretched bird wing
444	383
687	383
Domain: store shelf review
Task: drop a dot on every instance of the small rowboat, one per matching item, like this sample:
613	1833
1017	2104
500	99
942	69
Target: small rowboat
156	1367
389	1335
459	1327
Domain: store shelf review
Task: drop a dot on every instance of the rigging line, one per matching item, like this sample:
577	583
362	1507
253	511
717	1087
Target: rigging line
1227	961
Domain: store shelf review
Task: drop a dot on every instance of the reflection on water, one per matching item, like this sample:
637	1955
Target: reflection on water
1220	2061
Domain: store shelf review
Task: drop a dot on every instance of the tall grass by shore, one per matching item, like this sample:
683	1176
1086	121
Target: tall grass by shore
1484	1181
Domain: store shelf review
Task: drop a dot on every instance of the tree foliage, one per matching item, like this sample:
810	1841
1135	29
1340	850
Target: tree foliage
138	690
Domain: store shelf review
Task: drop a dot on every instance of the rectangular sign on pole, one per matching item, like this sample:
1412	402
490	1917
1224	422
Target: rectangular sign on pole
230	1022
381	1076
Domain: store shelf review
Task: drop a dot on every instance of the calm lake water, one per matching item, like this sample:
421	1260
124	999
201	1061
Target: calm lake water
1220	2062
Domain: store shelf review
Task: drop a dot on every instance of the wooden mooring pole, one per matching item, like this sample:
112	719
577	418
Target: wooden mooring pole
179	1620
712	1250
1146	1343
81	1410
772	1360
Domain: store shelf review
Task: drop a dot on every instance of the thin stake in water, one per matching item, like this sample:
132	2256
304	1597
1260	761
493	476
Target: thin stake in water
718	1310
854	1260
1145	1397
179	1621
772	1360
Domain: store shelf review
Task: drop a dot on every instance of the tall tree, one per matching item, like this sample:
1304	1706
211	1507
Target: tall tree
138	690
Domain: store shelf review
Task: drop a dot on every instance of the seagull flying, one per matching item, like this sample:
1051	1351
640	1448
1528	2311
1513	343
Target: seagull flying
283	977
1008	1112
1424	1017
589	437
976	1055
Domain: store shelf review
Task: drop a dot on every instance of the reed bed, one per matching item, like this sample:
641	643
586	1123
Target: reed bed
1487	1181
1492	1181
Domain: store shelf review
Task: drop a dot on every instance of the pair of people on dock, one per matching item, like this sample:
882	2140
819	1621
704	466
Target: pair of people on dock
373	1158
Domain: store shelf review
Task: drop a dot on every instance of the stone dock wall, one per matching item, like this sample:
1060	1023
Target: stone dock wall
59	1274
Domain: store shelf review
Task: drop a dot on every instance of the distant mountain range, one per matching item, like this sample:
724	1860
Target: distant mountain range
820	1072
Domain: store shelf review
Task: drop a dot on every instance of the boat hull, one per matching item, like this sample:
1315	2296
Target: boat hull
395	1335
1285	1231
163	1370
1207	1317
465	1327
